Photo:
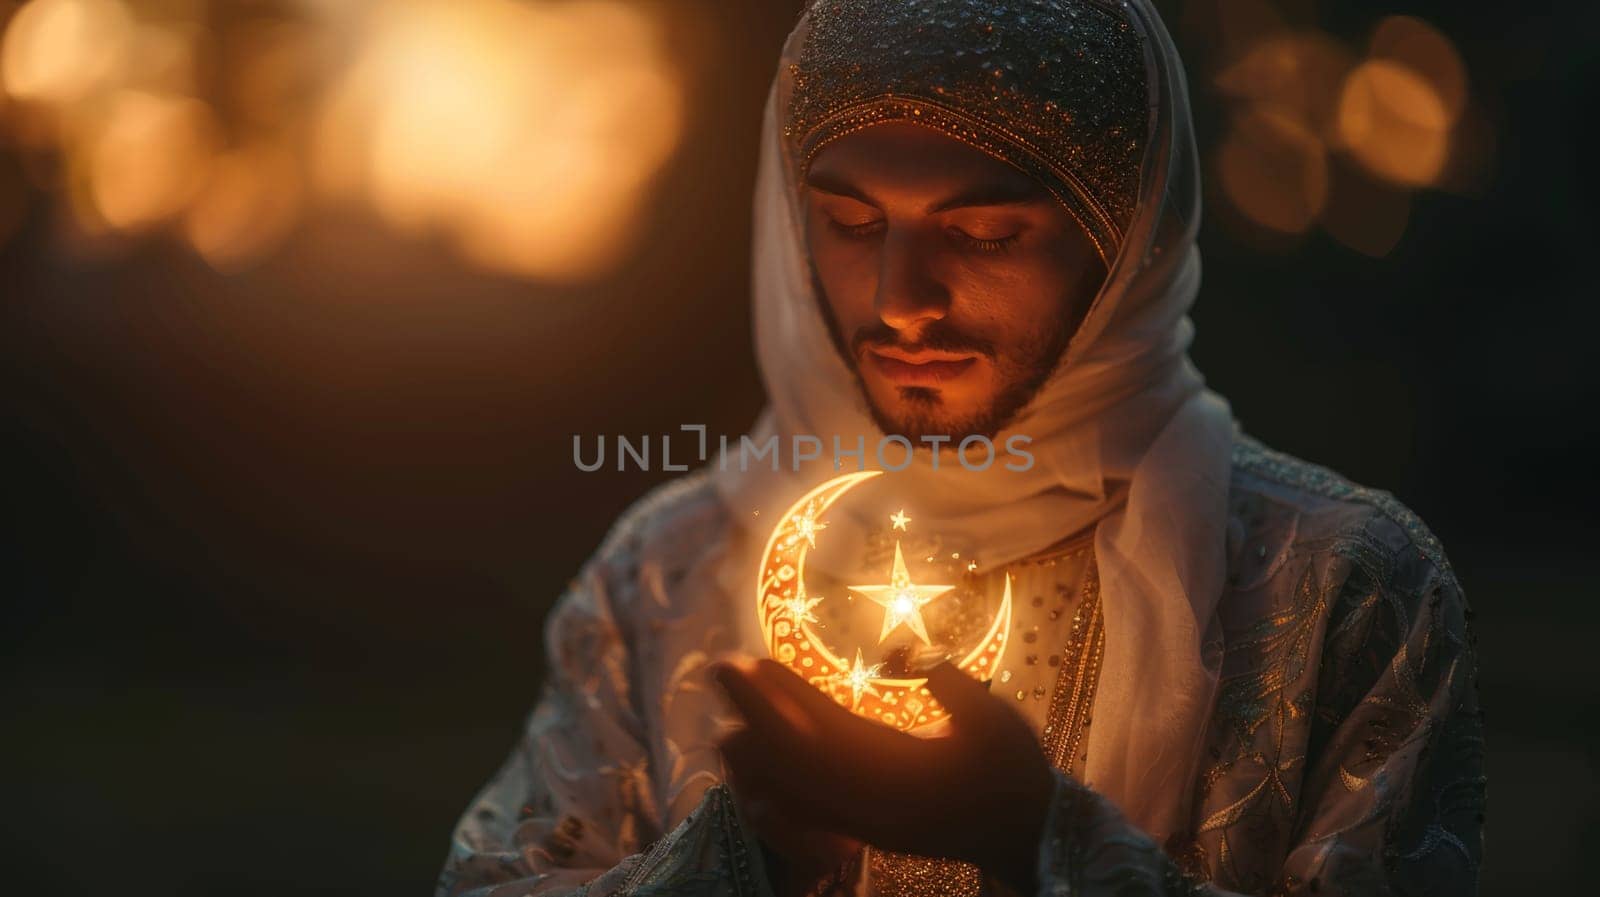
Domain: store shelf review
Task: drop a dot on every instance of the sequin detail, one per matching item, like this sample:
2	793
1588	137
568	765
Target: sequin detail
1056	88
1078	678
908	875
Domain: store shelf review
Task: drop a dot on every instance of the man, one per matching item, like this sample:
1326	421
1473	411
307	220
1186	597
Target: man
976	221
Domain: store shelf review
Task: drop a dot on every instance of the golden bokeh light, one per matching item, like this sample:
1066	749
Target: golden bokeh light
59	51
162	58
248	204
527	133
1298	75
149	158
1421	48
1303	104
277	67
1395	123
1274	170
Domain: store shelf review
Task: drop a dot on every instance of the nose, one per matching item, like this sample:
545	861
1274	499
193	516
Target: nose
909	296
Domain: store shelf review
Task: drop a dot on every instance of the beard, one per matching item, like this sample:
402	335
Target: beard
1021	371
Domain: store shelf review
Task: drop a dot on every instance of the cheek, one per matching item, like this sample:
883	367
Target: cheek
1020	291
847	273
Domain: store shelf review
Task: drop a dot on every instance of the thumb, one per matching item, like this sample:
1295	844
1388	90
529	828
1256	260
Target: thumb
966	698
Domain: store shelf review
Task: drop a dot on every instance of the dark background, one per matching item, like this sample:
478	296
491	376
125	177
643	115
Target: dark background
279	543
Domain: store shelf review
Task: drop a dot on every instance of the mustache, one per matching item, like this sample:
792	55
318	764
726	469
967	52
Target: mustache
938	336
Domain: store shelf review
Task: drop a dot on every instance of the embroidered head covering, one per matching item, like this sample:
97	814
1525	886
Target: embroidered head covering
1055	89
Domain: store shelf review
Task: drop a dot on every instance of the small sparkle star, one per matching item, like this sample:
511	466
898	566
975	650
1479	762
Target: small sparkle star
859	680
901	599
799	608
899	519
806	525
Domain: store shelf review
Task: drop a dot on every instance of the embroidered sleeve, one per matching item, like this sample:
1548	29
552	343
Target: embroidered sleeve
1392	794
1394	788
572	811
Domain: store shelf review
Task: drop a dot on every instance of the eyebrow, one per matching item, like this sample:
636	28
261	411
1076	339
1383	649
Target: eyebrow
1012	194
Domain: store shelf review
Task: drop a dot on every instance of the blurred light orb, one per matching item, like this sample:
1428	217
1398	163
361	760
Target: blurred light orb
1274	171
161	58
1421	48
527	132
249	202
59	51
276	65
1395	123
1295	74
149	158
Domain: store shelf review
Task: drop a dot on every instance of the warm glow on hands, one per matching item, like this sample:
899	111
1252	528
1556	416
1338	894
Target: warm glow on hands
978	793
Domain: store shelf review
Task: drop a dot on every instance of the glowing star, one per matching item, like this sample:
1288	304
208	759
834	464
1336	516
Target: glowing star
901	599
859	680
899	519
806	525
799	608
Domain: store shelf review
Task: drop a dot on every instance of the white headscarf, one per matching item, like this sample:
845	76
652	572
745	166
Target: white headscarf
1126	440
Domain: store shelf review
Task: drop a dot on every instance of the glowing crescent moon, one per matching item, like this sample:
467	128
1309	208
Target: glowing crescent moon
783	607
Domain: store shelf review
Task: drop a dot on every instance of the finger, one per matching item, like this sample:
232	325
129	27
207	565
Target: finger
966	698
851	755
835	724
744	778
754	702
758	765
758	762
768	778
777	679
741	758
849	762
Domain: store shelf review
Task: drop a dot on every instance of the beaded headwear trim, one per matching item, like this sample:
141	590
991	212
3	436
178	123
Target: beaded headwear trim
1056	88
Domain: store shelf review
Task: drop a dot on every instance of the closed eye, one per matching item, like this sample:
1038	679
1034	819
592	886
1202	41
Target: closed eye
980	244
855	231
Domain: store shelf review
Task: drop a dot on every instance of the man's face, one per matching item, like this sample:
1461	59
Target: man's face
951	280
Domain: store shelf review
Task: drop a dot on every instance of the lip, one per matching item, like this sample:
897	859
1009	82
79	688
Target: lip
919	369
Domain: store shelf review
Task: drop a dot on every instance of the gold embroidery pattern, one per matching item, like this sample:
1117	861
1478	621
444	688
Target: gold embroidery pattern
1273	691
1080	675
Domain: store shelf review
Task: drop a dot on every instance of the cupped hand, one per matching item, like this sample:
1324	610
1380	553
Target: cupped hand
813	771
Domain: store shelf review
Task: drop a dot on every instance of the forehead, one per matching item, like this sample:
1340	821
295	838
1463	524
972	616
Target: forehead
901	158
